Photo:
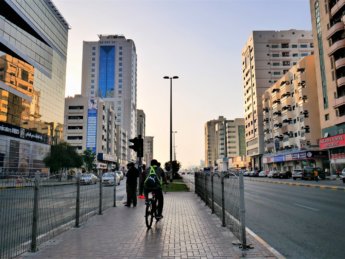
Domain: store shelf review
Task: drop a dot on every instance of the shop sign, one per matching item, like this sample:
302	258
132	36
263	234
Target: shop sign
279	158
106	157
332	142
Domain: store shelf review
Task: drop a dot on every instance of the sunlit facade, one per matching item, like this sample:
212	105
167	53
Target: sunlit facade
33	50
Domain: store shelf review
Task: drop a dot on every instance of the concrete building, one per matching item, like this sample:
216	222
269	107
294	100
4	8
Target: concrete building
148	150
33	52
328	22
267	56
90	124
291	120
141	123
110	71
224	140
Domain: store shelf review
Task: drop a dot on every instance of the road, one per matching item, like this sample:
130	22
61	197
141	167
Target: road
299	222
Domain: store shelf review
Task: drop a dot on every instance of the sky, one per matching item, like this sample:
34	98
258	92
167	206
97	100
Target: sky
200	41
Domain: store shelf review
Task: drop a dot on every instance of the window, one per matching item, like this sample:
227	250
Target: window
304	54
93	48
295	54
294	46
285	45
93	53
276	64
93	59
304	46
275	55
286	63
276	73
326	117
120	64
275	46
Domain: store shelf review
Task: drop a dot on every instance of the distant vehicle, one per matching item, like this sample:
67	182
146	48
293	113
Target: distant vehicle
262	174
109	179
342	175
88	179
273	174
245	173
297	174
285	174
308	173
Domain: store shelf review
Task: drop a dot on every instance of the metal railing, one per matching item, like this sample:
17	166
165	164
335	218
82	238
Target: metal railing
34	210
223	192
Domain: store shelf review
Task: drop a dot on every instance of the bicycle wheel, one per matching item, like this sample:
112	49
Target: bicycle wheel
149	214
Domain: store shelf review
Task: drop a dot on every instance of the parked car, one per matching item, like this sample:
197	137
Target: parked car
245	173
308	173
285	174
342	175
273	174
88	179
297	174
263	174
110	178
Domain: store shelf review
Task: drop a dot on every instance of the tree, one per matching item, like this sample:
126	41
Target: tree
175	168
62	156
89	160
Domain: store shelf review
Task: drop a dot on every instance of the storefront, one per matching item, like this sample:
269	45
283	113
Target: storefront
295	160
335	146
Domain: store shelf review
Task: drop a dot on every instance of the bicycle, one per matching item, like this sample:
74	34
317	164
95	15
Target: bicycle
151	210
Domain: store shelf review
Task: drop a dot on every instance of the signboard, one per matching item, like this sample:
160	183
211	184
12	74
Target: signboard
91	135
18	132
106	157
332	142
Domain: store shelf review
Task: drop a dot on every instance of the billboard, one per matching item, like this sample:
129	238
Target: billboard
91	135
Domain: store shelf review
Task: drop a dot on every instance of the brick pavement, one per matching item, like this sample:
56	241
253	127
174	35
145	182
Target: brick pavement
188	230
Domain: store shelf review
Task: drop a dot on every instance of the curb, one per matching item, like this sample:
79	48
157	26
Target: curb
265	244
326	187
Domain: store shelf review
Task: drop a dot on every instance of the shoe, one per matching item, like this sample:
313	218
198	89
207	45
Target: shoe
159	217
127	205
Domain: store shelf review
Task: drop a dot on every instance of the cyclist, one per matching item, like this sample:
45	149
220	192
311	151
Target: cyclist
153	183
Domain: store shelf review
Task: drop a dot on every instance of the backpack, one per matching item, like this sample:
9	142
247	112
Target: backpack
152	181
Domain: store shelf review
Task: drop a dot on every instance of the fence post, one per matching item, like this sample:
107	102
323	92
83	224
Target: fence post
100	193
77	205
223	203
114	205
242	212
35	215
205	190
212	192
196	183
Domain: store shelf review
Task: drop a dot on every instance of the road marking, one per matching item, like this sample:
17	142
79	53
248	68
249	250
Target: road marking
306	207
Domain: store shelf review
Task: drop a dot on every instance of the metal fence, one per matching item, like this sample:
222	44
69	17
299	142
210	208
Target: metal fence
224	194
35	210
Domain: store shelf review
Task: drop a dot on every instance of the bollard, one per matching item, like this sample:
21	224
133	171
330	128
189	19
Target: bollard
114	205
77	206
212	193
35	216
100	194
223	204
242	212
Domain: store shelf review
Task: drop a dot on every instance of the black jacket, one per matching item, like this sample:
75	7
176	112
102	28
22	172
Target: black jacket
132	176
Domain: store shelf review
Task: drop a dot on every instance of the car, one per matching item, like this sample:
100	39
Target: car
342	175
110	178
262	174
273	174
245	173
88	179
285	174
297	174
121	174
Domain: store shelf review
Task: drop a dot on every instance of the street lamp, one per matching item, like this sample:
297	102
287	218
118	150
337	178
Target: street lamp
174	132
170	133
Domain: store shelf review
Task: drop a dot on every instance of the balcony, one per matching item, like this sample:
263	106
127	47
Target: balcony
339	26
337	7
340	63
336	46
341	81
340	120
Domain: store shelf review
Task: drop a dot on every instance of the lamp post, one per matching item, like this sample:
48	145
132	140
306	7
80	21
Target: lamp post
170	133
174	132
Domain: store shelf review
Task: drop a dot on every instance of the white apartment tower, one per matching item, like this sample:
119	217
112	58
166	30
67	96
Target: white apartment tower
109	71
266	57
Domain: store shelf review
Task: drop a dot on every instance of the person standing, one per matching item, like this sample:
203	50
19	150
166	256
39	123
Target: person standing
142	177
131	184
316	175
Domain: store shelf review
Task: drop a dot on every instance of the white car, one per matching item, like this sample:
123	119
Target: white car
262	174
88	179
110	178
342	175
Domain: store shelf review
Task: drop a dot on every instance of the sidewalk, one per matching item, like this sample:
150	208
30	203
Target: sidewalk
188	230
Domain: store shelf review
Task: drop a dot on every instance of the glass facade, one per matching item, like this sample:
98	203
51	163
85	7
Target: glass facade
33	49
106	72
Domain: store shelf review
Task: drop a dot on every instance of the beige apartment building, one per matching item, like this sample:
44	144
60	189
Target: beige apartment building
90	124
291	120
328	22
266	57
224	140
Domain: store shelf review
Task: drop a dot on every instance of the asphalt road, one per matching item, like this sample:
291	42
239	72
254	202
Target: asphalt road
299	222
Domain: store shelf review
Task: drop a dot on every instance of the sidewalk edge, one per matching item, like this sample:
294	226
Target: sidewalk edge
265	244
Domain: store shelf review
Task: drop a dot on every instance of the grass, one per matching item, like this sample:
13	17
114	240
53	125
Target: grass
176	186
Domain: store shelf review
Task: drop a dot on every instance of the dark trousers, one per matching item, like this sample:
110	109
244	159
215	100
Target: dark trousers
131	194
159	196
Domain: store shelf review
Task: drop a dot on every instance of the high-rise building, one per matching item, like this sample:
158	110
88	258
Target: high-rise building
328	22
148	150
141	123
267	56
90	124
33	51
224	139
109	71
292	121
